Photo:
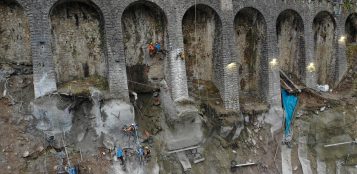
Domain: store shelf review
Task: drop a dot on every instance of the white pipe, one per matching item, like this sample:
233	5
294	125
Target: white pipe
338	144
243	165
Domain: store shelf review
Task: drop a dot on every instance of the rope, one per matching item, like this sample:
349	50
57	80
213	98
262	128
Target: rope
198	74
44	142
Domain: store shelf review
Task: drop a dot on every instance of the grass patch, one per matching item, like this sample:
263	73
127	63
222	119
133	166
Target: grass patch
81	87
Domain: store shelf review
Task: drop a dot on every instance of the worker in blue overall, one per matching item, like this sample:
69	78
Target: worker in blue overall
120	155
158	47
140	153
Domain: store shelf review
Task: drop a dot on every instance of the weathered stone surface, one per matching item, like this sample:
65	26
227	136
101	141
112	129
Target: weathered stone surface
250	32
77	41
108	43
53	114
324	32
14	34
144	24
290	28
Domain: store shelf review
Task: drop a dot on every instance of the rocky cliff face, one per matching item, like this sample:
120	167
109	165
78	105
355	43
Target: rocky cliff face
291	43
14	34
250	35
324	29
143	25
202	35
77	42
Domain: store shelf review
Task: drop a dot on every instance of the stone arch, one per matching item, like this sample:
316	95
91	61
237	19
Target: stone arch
212	4
144	23
251	34
350	39
78	43
351	28
324	27
202	37
15	44
291	43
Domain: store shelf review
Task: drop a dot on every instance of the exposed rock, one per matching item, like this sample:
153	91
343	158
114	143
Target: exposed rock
26	154
80	136
53	113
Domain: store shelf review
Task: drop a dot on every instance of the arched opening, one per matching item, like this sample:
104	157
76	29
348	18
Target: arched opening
324	39
15	46
144	25
350	39
16	69
202	34
78	46
290	32
250	34
351	28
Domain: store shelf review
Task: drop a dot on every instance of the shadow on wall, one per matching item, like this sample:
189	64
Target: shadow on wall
250	33
78	41
202	34
324	38
291	43
144	23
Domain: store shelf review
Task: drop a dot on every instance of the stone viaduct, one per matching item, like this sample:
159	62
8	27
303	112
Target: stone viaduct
226	68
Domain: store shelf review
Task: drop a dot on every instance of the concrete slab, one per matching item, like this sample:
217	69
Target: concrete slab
275	118
321	167
303	158
53	114
339	167
286	160
349	170
111	118
185	162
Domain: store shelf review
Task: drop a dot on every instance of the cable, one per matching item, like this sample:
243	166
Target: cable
198	74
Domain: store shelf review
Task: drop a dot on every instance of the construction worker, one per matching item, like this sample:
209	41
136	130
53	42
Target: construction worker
140	153
152	49
147	152
158	47
129	130
120	155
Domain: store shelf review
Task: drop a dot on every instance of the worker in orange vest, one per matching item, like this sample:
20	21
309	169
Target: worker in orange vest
152	49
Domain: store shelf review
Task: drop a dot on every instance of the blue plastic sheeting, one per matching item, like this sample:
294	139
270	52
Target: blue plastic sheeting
289	103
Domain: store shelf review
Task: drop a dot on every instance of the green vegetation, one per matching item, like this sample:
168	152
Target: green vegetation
81	87
351	53
349	5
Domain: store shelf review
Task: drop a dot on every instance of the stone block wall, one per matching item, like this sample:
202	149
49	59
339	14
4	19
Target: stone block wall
38	14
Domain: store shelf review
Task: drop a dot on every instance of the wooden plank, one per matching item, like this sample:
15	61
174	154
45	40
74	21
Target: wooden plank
184	149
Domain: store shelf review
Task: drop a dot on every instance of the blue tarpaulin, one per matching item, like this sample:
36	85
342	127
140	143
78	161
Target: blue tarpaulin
289	103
